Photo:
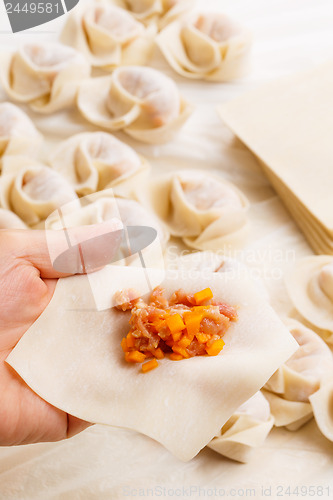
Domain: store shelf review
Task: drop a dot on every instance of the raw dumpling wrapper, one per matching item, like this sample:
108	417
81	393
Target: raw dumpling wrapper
160	12
33	191
18	135
72	357
206	46
94	161
206	211
141	100
301	376
44	75
310	286
9	220
103	208
108	36
322	406
245	430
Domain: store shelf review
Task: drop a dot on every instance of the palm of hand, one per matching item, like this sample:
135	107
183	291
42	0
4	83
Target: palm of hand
24	416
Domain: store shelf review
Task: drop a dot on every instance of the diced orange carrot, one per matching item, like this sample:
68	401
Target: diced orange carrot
180	350
135	357
203	295
159	323
175	357
175	323
150	365
124	344
215	348
158	353
192	321
184	341
130	340
202	338
176	336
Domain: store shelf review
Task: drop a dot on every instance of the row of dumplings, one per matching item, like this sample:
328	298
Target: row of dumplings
142	101
51	77
206	46
205	210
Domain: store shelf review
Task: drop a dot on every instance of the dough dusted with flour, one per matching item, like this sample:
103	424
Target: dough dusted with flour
108	36
155	12
205	210
207	46
9	220
32	190
141	100
310	287
94	161
44	75
245	430
18	134
289	389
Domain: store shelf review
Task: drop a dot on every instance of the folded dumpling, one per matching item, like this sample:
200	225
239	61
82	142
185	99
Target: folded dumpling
141	100
245	430
159	12
209	46
206	211
44	75
94	161
76	363
9	220
18	135
108	36
105	207
310	286
322	406
33	191
289	389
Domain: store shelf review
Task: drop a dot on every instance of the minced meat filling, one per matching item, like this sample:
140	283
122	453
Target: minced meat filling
183	326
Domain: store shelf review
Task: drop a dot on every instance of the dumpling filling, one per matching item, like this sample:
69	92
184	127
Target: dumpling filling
182	327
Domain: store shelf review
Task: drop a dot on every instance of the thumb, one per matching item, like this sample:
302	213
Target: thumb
60	253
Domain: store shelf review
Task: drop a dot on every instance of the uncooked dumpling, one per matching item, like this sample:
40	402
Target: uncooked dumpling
94	161
301	376
310	286
34	191
245	430
9	220
104	208
209	46
141	100
206	211
157	12
108	36
76	362
18	135
44	75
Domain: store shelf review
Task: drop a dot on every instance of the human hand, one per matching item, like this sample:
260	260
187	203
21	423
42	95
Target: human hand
27	283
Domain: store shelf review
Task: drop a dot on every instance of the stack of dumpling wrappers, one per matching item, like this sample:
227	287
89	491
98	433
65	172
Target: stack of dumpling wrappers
288	125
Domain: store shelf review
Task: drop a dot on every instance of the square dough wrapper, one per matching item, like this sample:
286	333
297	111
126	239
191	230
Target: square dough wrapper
273	121
72	358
